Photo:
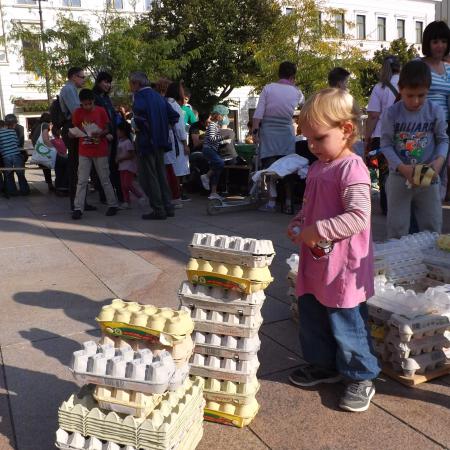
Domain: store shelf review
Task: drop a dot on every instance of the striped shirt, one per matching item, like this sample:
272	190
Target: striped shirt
440	89
356	218
213	137
9	144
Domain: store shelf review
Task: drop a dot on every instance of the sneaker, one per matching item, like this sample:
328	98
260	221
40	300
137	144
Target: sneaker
76	215
111	211
205	182
185	198
124	205
307	376
268	208
215	197
177	204
142	201
357	396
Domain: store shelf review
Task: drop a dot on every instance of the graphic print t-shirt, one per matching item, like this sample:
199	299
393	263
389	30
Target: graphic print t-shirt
91	147
413	137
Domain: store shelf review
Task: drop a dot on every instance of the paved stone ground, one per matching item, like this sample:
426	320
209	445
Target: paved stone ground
56	274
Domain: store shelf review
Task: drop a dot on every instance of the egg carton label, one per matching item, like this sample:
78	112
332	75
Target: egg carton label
232	250
147	322
418	327
416	347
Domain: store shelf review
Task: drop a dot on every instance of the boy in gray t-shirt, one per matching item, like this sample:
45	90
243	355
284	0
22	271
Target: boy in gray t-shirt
413	132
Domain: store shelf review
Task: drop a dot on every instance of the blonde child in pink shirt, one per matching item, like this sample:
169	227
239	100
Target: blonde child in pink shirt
334	284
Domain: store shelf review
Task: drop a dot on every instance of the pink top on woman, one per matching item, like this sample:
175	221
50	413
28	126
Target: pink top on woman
344	277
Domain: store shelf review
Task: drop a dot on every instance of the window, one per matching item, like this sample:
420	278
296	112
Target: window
26	2
72	3
29	47
288	11
419	32
339	23
116	4
400	28
381	27
360	27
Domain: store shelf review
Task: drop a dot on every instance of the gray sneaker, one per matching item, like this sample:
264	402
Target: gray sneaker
306	376
357	396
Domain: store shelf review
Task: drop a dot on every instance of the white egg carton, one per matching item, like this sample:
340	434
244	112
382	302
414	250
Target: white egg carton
224	368
75	441
416	347
225	323
232	249
220	299
221	345
418	327
420	364
127	369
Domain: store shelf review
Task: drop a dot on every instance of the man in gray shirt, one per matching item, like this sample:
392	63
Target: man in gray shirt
69	102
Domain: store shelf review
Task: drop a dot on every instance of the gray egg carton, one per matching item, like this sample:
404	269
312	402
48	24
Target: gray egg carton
220	299
125	368
415	347
418	327
224	368
225	323
239	348
419	364
232	249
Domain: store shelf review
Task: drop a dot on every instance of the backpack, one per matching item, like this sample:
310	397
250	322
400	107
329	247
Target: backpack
57	114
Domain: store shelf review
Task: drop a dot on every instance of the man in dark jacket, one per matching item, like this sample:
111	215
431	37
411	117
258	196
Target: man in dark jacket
152	117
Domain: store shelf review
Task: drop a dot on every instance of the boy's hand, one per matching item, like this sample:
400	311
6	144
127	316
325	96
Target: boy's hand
407	171
437	165
310	236
293	231
109	137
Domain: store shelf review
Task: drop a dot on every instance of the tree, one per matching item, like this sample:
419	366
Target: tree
221	39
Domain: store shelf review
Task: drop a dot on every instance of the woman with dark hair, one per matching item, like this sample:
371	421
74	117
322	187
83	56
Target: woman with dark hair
177	160
382	97
436	47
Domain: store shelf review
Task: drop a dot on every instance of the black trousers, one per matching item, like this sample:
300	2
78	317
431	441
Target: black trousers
72	163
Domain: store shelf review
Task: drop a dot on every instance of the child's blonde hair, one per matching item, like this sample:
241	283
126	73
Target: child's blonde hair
331	107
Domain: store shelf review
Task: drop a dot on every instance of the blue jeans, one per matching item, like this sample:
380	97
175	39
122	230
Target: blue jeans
15	161
215	163
337	339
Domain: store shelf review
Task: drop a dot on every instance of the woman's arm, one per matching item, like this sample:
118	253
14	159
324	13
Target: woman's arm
371	123
46	137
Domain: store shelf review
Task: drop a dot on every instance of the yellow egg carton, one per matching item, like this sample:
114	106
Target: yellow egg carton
228	391
145	322
132	403
228	276
231	414
443	242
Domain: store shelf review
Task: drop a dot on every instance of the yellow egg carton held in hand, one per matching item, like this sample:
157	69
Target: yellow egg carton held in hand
228	276
420	364
224	368
232	249
145	322
229	391
239	348
418	327
443	242
225	323
124	368
231	414
220	299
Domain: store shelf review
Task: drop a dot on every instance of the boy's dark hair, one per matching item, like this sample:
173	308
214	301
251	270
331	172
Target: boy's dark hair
287	70
415	74
86	94
126	128
10	119
435	30
45	118
103	76
2	124
73	71
336	76
174	91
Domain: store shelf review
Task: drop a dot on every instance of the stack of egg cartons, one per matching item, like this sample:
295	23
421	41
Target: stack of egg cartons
413	329
292	262
224	295
138	394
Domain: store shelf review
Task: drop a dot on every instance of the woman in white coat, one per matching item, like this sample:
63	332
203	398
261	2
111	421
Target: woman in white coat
177	160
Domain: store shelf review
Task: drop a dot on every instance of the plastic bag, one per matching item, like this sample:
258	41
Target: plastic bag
43	155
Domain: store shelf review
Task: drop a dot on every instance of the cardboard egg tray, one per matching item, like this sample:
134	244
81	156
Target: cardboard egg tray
224	323
231	414
146	322
220	299
232	249
443	242
229	391
124	368
224	368
228	276
418	327
415	347
226	346
420	364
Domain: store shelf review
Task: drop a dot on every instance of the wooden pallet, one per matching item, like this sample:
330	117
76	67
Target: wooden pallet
416	379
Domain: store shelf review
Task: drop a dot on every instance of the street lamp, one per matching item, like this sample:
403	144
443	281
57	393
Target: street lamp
44	50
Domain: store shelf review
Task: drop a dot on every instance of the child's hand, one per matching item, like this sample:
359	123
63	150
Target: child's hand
293	231
437	165
109	137
310	236
407	171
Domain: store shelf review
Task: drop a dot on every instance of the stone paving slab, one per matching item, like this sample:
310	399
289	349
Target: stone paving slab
7	439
